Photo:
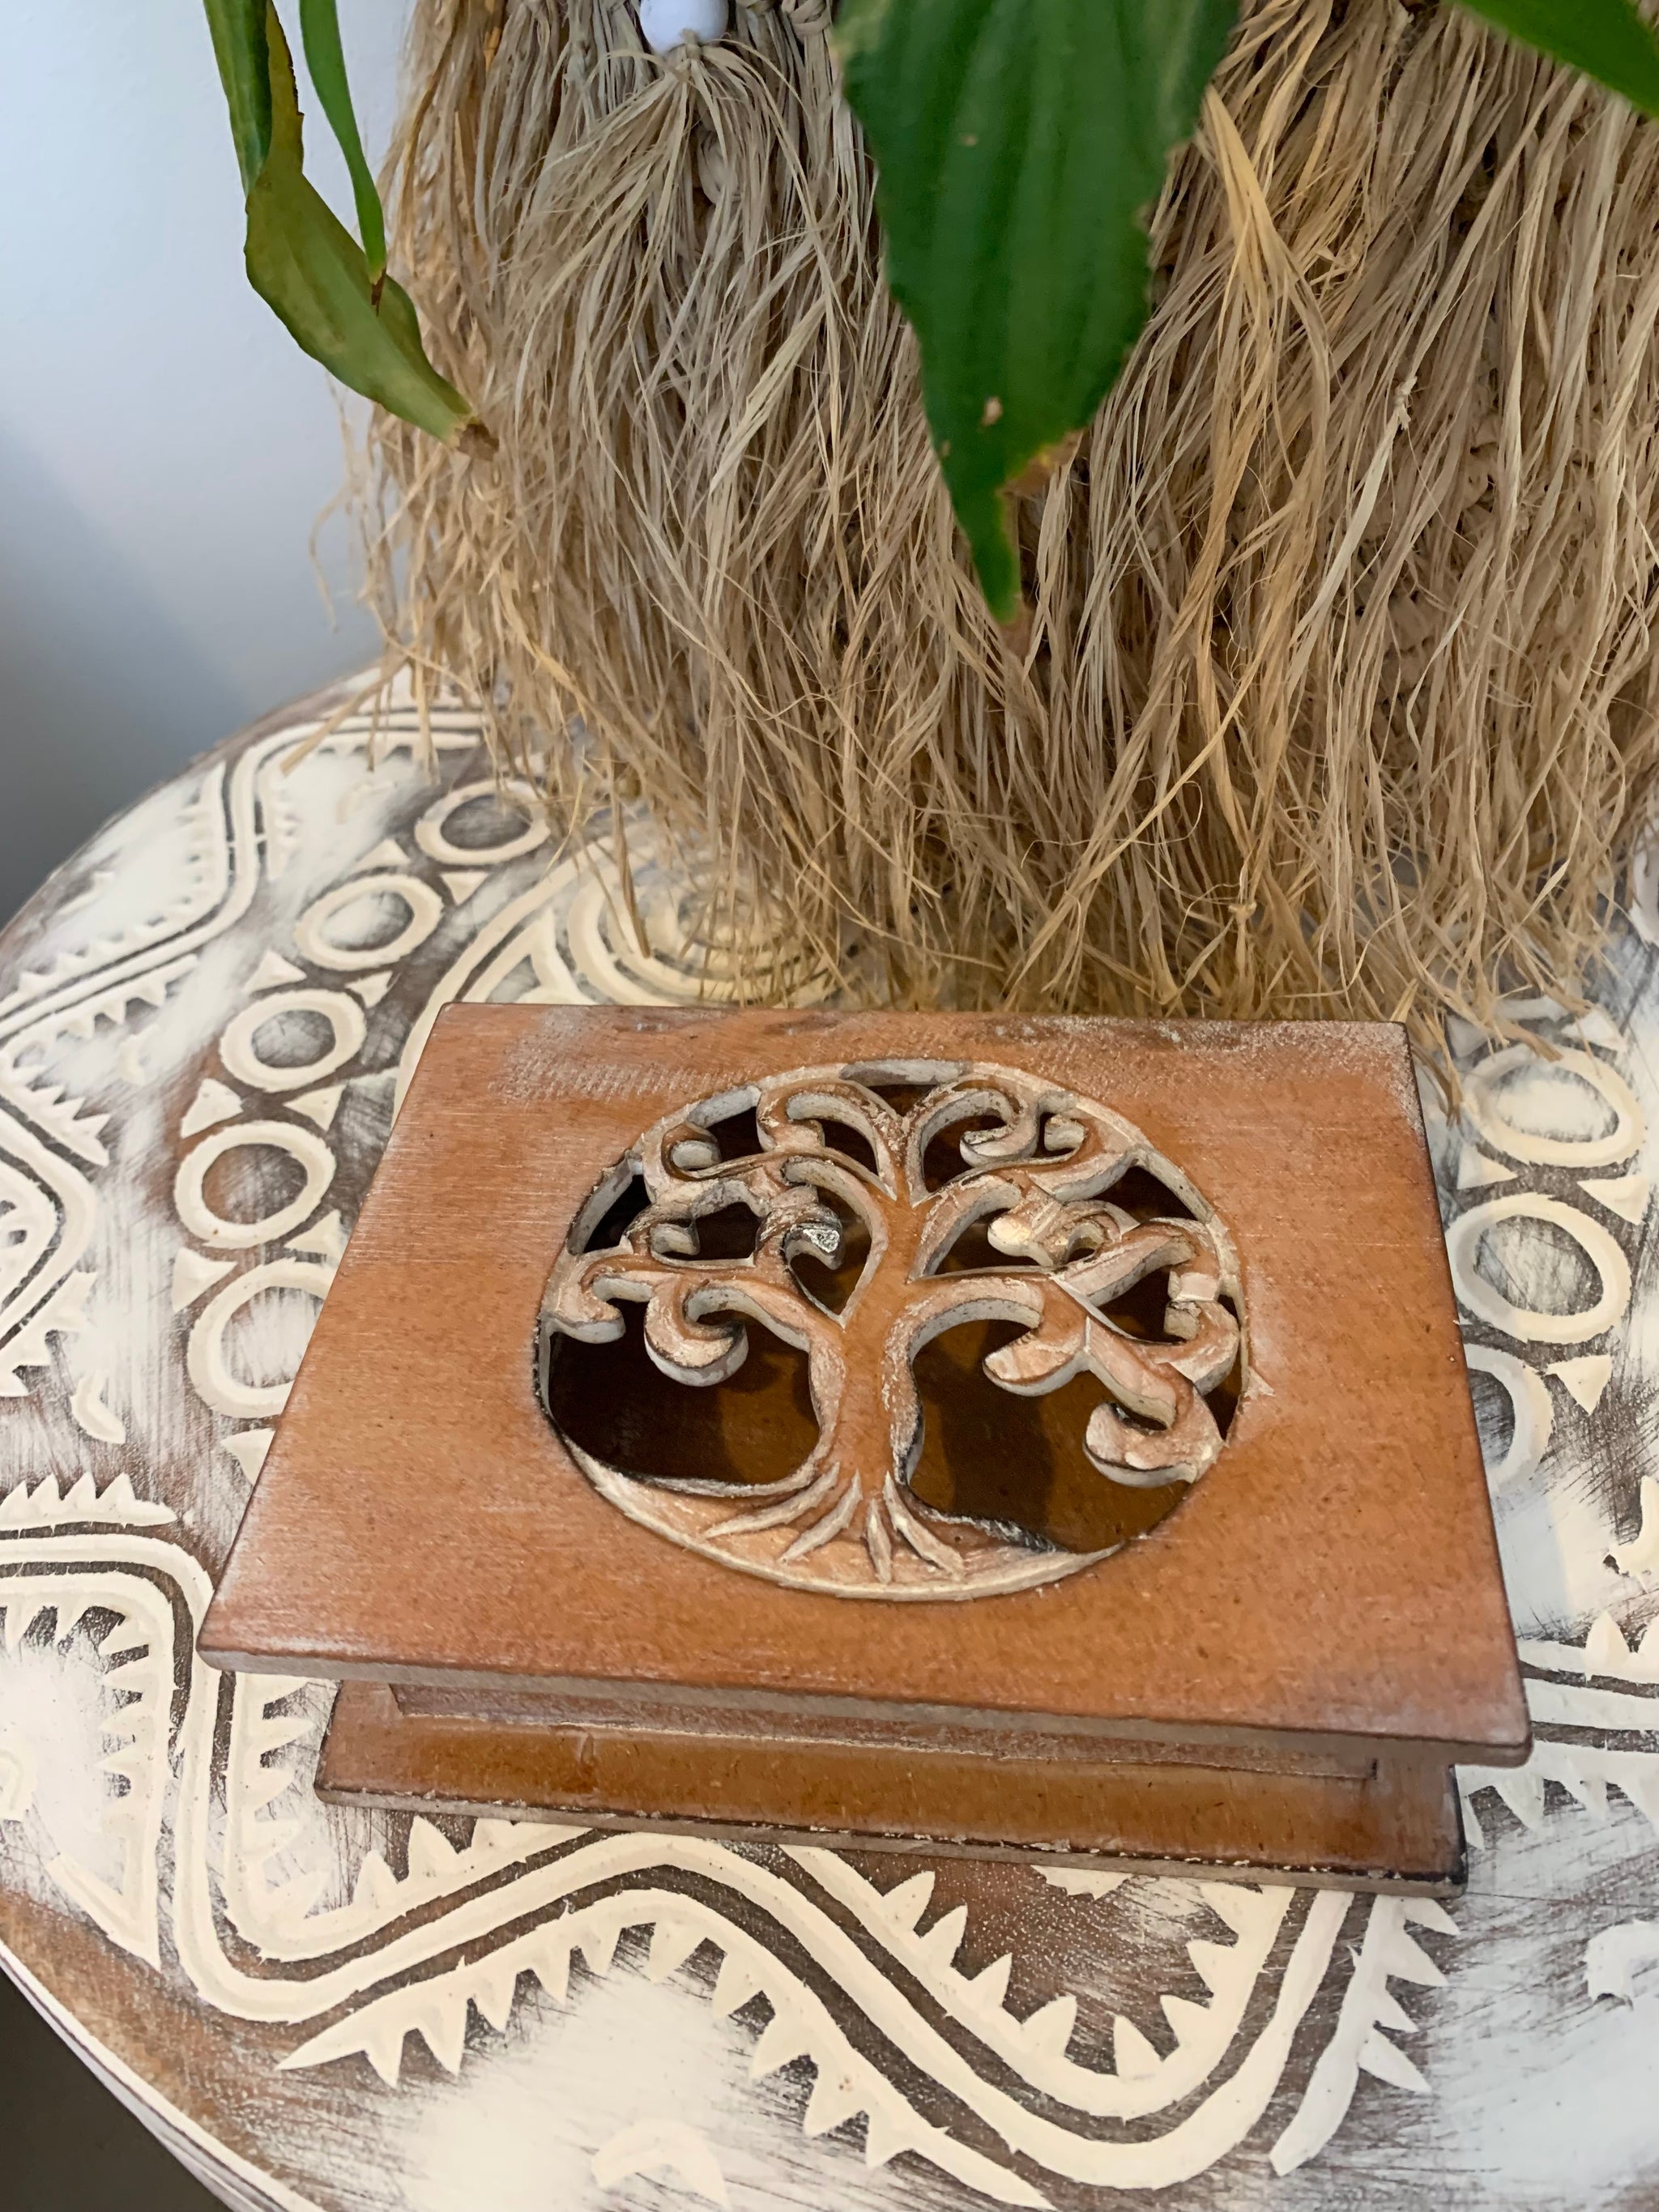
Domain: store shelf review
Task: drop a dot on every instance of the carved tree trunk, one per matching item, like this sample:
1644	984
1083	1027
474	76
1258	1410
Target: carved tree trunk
1038	1178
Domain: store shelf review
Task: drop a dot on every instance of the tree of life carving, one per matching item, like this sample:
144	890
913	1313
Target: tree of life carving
1039	1166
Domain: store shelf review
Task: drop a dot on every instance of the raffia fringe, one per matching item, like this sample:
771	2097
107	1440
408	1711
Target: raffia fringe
1340	692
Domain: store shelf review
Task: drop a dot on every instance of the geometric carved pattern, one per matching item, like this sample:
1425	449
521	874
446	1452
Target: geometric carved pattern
312	2004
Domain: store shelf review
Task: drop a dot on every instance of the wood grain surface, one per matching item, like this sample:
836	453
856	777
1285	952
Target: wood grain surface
1393	1828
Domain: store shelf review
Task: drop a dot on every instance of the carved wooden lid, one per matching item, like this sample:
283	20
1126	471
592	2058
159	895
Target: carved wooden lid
1332	1577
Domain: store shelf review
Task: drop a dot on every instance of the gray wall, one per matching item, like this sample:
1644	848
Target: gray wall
165	451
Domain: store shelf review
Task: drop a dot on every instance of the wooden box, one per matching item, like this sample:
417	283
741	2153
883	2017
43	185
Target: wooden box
963	1432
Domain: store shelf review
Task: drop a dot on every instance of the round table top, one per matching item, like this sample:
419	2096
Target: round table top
332	2008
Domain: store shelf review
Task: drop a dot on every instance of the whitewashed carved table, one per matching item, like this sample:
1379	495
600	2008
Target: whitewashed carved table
205	1022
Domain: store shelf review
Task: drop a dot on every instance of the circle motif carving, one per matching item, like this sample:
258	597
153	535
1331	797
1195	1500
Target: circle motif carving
239	1046
879	1208
420	901
432	831
304	1146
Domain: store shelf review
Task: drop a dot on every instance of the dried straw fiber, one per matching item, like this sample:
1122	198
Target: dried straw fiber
1339	694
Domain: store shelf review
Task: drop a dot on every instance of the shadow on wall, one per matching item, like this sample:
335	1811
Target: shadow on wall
56	2115
165	449
101	693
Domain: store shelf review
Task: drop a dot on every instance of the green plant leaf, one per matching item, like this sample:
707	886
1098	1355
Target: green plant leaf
1605	38
305	263
1020	144
238	28
320	30
300	258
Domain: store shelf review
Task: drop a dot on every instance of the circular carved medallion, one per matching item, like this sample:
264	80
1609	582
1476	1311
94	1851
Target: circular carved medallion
859	1214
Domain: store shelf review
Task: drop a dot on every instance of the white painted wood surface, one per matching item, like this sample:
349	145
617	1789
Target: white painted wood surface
205	1022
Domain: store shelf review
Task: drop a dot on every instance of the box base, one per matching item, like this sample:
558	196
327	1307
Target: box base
1397	1829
